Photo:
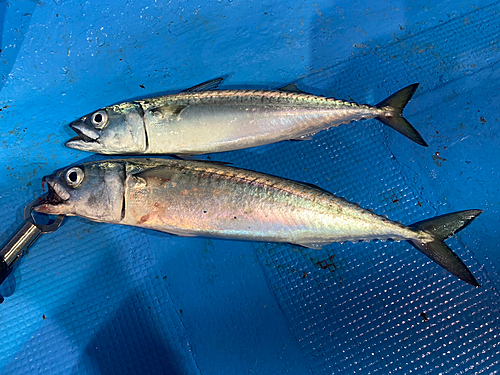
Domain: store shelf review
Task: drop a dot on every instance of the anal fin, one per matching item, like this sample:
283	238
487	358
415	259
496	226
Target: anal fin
312	245
305	137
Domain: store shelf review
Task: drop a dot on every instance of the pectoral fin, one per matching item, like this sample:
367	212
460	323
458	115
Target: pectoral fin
168	110
159	173
165	173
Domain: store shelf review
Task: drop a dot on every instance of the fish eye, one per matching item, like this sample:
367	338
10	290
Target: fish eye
74	177
99	119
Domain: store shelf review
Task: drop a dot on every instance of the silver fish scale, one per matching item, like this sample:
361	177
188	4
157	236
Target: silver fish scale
219	171
299	213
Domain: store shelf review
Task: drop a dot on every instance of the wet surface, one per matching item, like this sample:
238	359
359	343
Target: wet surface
123	300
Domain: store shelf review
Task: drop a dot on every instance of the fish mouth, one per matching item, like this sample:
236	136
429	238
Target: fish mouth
86	139
56	196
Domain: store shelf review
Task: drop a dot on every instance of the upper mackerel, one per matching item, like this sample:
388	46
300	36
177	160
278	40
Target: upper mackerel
197	122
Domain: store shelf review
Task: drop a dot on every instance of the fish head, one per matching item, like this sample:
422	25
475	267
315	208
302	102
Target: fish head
92	190
117	129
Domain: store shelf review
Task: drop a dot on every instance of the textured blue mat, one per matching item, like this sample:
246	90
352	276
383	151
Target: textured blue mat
95	298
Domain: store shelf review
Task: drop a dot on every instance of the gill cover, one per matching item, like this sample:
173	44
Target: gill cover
91	190
118	129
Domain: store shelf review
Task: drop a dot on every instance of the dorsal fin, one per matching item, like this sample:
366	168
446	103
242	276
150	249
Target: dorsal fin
314	186
196	158
215	162
186	157
206	86
291	87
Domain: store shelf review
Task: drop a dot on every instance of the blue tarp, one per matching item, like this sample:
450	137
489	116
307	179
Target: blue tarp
97	298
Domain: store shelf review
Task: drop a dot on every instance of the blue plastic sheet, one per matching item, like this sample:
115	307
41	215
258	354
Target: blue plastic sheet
96	298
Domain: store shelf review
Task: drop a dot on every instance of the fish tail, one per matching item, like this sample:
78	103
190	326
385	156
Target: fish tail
442	227
398	101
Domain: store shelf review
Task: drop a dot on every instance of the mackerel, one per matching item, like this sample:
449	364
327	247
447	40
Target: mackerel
195	198
199	121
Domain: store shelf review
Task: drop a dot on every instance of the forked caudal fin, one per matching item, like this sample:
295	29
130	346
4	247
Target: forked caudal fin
396	121
442	227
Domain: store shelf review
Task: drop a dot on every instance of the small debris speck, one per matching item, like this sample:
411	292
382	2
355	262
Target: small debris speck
424	316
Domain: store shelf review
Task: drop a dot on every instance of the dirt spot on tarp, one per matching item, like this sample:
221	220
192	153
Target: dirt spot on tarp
326	264
423	315
438	159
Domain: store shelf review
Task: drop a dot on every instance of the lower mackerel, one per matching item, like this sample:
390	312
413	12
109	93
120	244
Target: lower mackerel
196	198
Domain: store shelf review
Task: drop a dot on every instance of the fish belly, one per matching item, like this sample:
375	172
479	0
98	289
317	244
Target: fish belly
201	129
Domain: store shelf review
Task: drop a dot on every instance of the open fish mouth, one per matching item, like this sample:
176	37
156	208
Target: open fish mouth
57	194
85	135
55	199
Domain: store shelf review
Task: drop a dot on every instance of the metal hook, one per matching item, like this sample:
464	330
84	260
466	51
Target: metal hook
24	237
44	228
